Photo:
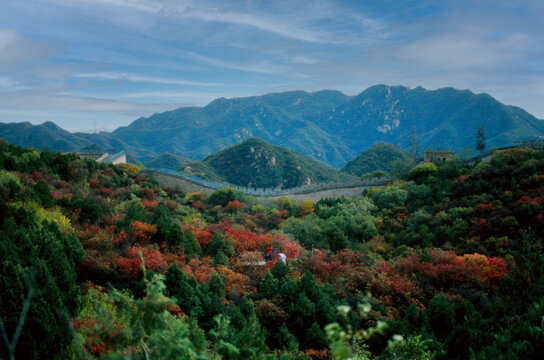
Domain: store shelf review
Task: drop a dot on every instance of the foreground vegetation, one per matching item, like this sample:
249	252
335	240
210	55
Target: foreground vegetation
447	263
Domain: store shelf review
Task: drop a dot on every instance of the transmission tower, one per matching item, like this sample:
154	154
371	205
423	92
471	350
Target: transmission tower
414	144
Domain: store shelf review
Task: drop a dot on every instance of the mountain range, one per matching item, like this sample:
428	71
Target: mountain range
328	125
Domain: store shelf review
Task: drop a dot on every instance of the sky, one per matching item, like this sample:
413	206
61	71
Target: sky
98	64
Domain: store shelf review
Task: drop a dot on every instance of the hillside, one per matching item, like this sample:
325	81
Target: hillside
378	157
256	163
167	161
327	126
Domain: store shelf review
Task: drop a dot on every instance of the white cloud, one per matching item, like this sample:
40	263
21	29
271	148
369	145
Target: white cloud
16	51
467	48
7	37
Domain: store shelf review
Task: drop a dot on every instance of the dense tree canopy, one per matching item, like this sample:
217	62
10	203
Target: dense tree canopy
445	263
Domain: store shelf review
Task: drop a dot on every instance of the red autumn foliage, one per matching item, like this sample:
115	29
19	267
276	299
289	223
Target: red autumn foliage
524	200
150	204
131	264
99	264
108	172
199	205
147	193
203	236
235	282
235	206
36	176
399	282
483	210
107	192
447	271
141	232
276	218
245	240
201	269
327	269
314	354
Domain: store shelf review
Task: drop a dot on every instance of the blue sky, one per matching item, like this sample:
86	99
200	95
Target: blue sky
87	64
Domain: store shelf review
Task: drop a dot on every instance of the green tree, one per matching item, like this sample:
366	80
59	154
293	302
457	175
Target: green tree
163	220
185	239
346	341
412	348
441	316
37	256
223	196
401	167
220	243
183	289
390	197
43	194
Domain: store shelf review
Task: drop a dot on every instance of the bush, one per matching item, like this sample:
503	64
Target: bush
423	171
390	197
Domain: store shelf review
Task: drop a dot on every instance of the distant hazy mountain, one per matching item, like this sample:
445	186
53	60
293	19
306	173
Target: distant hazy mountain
256	163
47	135
378	157
327	125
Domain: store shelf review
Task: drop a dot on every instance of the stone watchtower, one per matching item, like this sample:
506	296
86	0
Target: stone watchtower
437	155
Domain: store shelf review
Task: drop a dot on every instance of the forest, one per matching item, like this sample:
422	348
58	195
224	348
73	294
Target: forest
100	262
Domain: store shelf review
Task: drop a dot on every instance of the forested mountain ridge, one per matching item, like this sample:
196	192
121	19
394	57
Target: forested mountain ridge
327	126
451	256
378	157
257	164
445	118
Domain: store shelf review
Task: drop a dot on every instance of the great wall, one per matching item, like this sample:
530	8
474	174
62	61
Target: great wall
187	183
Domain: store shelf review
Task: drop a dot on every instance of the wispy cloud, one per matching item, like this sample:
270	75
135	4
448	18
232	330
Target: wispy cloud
204	96
34	100
318	23
142	78
9	84
119	57
275	26
263	66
